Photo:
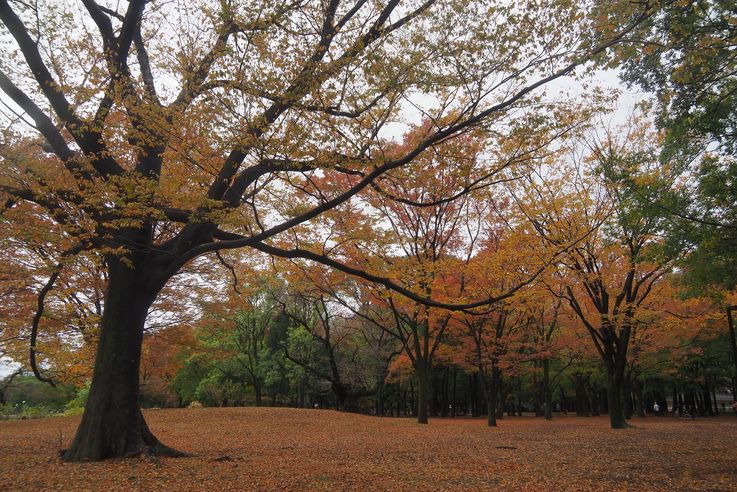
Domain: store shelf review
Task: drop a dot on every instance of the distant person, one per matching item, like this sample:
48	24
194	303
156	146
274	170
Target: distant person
656	408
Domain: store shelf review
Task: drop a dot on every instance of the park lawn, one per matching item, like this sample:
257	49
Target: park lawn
292	449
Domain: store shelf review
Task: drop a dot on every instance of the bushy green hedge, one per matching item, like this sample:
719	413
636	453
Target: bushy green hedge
25	411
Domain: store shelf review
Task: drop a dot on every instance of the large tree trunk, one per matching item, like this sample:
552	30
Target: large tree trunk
491	388
113	425
615	397
423	393
341	395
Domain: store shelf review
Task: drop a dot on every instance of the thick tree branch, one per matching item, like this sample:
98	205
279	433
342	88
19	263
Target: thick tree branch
105	26
46	82
388	283
43	123
440	135
131	24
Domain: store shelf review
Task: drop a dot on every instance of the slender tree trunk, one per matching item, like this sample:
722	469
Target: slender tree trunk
257	392
472	381
380	400
341	395
501	394
519	397
627	397
454	403
490	386
423	393
733	346
594	402
546	390
603	406
113	425
706	398
539	401
563	401
412	399
689	402
491	408
445	394
582	397
490	394
674	397
639	406
302	392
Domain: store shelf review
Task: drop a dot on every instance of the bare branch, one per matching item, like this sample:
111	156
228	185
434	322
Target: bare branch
40	310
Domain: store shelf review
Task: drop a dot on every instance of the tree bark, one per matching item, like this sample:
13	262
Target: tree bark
733	346
706	398
501	394
627	398
380	399
445	393
341	395
423	393
674	396
581	395
518	404
639	406
257	392
615	397
112	425
538	405
546	390
454	409
491	387
474	392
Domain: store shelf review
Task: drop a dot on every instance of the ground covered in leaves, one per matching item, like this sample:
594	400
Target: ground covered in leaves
289	449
